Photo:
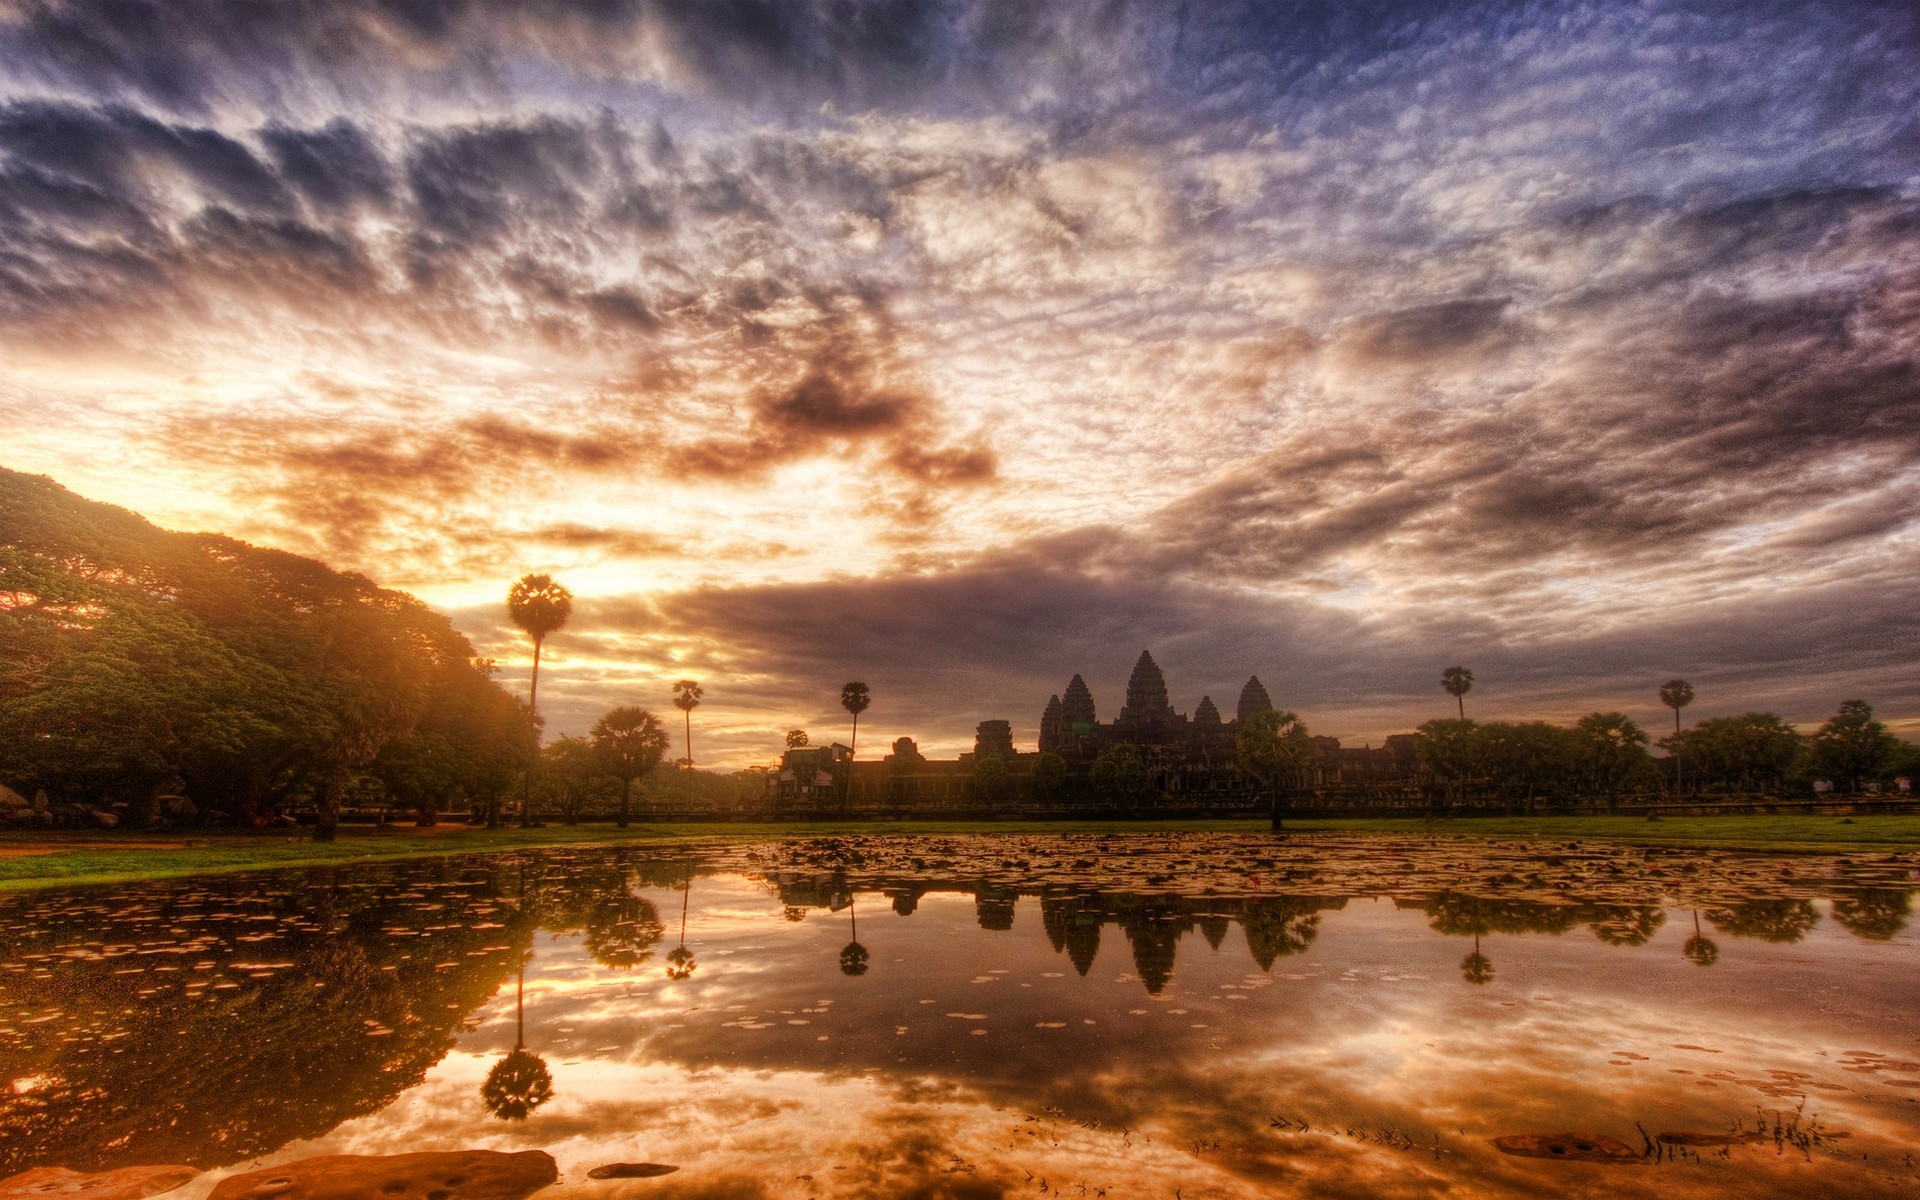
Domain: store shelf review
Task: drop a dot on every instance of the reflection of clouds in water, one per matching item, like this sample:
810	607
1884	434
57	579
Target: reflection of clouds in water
1374	1044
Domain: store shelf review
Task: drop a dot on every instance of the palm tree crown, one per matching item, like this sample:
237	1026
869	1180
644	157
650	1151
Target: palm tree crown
855	699
1676	695
539	606
1458	681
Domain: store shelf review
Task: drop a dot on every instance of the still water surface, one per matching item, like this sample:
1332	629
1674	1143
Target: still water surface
1076	1016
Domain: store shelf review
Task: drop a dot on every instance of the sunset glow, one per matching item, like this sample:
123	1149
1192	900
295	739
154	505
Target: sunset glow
961	347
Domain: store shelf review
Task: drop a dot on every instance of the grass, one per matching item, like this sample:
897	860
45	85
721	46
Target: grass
36	860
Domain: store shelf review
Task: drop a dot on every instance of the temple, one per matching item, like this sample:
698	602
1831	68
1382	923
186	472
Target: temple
1177	762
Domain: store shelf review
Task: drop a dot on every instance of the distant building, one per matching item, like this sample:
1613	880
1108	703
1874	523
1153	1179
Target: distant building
1191	758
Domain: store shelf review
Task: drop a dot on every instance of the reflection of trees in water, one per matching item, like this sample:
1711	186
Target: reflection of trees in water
1627	925
1699	949
1281	926
1780	921
207	1076
1877	914
1476	968
853	958
680	964
517	1084
520	1082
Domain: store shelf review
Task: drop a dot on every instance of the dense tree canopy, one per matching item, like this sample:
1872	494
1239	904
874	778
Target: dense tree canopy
137	663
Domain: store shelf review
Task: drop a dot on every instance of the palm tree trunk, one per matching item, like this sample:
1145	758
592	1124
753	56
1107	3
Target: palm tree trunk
626	799
1459	699
689	715
855	747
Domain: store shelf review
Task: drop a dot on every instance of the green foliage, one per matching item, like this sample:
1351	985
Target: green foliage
1049	774
1852	746
134	661
1752	751
1121	775
990	778
629	743
539	606
1445	747
1613	752
1522	758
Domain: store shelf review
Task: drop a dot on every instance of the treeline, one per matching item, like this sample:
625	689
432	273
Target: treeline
190	677
1608	753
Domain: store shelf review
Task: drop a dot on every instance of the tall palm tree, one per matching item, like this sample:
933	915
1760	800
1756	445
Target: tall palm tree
686	698
1676	694
853	958
1458	681
854	698
680	964
520	1082
540	607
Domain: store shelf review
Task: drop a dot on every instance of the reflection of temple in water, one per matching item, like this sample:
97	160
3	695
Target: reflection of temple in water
1188	761
1152	925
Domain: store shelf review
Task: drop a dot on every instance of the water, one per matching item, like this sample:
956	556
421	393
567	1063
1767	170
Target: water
1123	1016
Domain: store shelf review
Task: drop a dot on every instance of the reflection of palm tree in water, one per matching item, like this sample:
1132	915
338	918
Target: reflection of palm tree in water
1700	949
680	964
1476	967
853	959
520	1082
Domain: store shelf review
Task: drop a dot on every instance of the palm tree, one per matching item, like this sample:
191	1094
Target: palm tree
854	698
539	606
520	1082
629	742
680	964
686	698
1700	949
1676	694
1476	968
853	958
1458	681
796	738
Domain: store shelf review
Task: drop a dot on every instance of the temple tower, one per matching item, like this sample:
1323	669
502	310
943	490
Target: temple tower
1206	717
1076	707
1254	699
1053	731
993	739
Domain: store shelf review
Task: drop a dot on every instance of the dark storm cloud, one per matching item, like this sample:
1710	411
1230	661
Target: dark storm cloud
1456	326
334	166
108	147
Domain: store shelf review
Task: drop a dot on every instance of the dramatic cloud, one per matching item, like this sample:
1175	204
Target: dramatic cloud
963	346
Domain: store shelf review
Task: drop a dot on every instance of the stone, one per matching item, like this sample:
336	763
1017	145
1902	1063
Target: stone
449	1175
631	1171
122	1183
1569	1147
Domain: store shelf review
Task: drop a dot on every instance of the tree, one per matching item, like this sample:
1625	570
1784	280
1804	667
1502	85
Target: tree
796	738
630	742
1751	751
1458	681
1852	746
855	699
571	776
990	779
1273	747
539	606
686	698
1613	749
1120	774
1700	950
1049	775
1445	747
1676	694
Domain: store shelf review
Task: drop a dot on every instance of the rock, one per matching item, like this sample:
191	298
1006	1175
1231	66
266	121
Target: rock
452	1175
123	1183
1569	1147
631	1171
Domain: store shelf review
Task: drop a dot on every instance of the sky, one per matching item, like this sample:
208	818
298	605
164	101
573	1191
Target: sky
960	347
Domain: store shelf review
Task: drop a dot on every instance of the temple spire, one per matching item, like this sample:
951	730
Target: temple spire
1254	698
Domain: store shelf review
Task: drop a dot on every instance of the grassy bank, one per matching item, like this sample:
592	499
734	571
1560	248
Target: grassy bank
34	860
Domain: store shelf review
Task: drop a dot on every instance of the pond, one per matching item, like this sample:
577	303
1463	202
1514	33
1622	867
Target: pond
1098	1015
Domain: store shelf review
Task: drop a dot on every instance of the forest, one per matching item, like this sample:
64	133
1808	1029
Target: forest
191	677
